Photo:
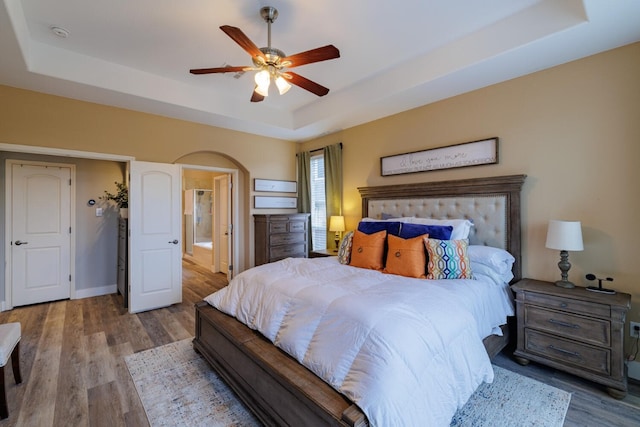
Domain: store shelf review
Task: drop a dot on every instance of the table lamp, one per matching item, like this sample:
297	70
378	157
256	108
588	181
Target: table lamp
565	236
336	223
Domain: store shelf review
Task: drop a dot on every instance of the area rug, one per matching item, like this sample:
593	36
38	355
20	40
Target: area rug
513	400
177	387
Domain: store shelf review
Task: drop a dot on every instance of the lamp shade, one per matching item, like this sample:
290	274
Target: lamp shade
283	86
263	80
336	223
564	235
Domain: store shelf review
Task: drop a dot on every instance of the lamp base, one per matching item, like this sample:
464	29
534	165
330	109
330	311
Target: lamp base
565	284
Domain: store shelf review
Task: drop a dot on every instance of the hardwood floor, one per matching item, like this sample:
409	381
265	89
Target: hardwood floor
74	374
72	355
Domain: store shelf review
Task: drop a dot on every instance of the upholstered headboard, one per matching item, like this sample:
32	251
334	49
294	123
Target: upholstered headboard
492	204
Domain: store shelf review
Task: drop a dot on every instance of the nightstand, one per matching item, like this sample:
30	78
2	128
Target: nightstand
321	253
573	330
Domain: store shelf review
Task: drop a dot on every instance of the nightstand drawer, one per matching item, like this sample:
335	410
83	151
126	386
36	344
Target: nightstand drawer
568	352
567	304
590	330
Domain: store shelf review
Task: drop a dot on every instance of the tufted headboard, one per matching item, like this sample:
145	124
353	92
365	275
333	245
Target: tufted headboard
493	204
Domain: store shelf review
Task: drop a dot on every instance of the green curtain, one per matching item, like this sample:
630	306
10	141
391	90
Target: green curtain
304	188
333	184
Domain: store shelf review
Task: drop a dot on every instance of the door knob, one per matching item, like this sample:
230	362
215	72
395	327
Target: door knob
175	242
18	243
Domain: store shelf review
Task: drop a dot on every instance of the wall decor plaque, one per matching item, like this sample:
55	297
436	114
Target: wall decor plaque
472	153
276	186
273	202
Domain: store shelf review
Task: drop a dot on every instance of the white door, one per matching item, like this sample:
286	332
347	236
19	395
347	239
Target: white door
40	233
225	228
155	267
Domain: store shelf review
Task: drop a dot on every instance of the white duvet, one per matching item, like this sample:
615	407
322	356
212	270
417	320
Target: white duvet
407	351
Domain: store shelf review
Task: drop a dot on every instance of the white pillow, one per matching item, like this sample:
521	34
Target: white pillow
499	259
461	227
490	272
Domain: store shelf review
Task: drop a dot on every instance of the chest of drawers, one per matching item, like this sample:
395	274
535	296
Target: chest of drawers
281	236
573	330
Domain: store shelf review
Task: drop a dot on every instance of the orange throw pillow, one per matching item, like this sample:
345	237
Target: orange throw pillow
406	257
368	250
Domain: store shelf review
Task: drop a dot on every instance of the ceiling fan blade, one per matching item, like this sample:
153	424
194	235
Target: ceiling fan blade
217	70
256	97
314	55
306	84
239	37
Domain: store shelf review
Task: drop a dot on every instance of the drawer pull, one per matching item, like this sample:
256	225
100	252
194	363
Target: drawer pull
564	305
561	323
561	350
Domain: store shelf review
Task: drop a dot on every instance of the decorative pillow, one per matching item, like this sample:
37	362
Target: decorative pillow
369	227
461	227
344	252
499	259
448	259
442	232
368	250
406	257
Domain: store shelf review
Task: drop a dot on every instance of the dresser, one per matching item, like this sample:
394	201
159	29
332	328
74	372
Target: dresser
123	260
281	236
573	330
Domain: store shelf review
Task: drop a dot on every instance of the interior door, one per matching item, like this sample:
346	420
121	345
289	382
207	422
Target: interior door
155	222
225	229
40	233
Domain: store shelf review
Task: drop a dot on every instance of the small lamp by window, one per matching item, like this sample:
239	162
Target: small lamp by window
565	236
336	223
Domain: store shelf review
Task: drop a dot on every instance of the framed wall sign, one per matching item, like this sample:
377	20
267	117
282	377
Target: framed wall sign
453	156
272	202
275	186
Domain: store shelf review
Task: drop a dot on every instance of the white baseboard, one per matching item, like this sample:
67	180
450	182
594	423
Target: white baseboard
633	370
96	292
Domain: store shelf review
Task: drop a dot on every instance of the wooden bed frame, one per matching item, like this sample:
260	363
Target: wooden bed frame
280	391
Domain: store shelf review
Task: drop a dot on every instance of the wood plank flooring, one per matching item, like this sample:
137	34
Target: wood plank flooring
74	374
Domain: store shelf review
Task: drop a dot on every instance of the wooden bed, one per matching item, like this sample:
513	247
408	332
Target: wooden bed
282	392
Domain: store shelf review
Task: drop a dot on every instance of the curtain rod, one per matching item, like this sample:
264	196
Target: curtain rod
320	149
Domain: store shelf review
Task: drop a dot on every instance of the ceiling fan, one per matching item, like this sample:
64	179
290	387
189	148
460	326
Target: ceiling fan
272	64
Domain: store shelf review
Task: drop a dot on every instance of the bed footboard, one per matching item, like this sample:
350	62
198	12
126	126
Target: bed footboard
277	389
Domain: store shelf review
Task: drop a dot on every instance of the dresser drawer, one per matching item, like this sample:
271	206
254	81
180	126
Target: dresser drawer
567	304
587	329
294	250
298	226
568	352
285	239
278	227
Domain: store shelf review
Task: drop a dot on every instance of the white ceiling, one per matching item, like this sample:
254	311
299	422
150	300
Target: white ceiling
395	56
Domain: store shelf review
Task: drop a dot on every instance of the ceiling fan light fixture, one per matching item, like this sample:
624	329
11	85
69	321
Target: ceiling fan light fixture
263	80
283	85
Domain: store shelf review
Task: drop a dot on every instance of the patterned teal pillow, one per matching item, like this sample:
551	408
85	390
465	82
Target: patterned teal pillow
448	259
344	252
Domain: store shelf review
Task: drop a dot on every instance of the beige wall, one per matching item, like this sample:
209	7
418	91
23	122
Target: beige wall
36	119
573	129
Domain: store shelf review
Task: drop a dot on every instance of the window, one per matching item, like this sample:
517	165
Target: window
318	203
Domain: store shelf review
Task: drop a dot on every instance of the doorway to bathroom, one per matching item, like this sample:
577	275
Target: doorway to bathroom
207	205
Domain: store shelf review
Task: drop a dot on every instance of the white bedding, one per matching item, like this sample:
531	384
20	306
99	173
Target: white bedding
406	351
